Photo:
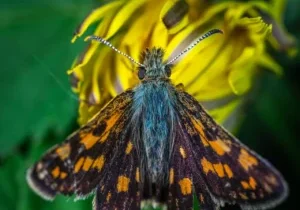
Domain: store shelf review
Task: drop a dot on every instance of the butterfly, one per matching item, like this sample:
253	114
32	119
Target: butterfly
155	141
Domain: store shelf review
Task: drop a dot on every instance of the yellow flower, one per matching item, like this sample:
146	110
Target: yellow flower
217	72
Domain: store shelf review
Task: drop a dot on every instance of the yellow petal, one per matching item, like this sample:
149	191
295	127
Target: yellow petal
86	57
160	36
134	33
240	78
222	113
101	68
268	62
207	69
96	15
123	15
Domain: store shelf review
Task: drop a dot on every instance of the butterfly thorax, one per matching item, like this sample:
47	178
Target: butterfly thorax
153	117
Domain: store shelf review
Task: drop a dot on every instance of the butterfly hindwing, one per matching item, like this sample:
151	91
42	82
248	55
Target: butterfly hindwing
77	165
120	189
223	167
180	195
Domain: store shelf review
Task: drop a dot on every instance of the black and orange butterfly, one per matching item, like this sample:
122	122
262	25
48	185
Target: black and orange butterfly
155	141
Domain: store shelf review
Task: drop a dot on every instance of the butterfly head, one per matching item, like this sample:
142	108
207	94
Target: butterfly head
153	66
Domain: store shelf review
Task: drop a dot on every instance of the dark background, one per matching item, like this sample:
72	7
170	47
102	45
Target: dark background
38	109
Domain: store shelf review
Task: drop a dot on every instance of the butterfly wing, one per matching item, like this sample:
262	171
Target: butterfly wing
180	194
121	189
89	159
223	170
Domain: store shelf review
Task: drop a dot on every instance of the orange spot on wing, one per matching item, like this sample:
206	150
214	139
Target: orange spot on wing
201	198
185	186
252	183
219	147
87	163
63	151
243	196
63	175
207	166
199	128
137	175
109	124
246	160
104	137
228	171
123	183
171	176
89	140
245	185
219	169
182	152
128	148
55	172
111	121
99	162
108	197
216	168
78	164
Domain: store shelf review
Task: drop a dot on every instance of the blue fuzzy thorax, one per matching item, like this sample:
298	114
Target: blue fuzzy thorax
153	116
153	119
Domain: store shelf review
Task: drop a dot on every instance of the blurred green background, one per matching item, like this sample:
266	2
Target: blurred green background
38	109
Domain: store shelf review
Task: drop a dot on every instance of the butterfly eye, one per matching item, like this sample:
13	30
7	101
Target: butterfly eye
168	70
141	73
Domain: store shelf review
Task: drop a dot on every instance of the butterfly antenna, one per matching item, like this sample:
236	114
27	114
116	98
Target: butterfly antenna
211	32
107	43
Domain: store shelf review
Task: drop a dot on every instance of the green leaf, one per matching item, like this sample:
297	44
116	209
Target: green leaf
35	42
8	184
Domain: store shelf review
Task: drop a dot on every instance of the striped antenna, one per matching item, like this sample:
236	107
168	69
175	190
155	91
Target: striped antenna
107	43
211	32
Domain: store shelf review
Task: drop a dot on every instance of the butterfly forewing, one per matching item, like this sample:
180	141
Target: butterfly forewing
224	167
79	164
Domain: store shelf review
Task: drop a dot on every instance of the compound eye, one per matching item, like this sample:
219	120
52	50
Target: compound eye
168	70
142	73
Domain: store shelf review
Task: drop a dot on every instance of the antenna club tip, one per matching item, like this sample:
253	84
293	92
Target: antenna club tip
216	30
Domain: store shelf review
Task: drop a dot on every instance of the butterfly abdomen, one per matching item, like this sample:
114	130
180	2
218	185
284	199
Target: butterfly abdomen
153	117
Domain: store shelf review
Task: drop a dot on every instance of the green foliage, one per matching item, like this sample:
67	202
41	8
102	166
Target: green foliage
35	41
37	105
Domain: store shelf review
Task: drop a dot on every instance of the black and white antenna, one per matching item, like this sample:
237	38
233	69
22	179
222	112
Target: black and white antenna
107	43
211	32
